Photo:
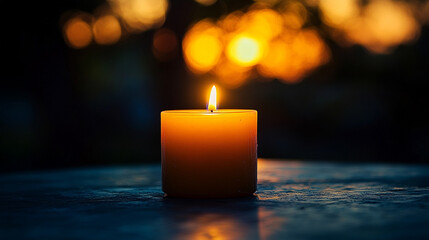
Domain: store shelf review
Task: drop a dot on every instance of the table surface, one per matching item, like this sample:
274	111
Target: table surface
295	200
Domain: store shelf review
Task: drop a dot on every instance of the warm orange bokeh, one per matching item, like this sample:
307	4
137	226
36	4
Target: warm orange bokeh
206	2
140	15
339	12
293	55
202	46
379	25
294	15
245	38
262	24
117	19
230	74
383	25
77	33
272	42
229	23
107	30
273	37
244	50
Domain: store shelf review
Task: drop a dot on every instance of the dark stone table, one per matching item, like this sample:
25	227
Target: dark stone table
295	200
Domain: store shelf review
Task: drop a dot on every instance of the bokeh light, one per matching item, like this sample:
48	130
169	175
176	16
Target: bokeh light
230	74
383	25
206	2
263	24
294	15
202	46
273	38
164	44
339	12
275	61
140	15
294	55
379	26
77	32
244	51
229	23
264	41
107	30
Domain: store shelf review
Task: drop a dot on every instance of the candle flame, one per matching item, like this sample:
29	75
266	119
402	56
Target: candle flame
212	101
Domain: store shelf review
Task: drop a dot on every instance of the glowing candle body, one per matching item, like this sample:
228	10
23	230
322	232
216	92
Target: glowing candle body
209	154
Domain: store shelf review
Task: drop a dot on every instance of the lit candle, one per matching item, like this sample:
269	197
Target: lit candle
209	153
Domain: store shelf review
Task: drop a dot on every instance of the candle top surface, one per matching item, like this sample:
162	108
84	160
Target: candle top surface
207	112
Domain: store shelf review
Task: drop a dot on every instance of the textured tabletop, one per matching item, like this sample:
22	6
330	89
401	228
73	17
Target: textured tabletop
295	200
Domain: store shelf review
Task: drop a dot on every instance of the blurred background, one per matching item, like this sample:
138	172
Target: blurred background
84	82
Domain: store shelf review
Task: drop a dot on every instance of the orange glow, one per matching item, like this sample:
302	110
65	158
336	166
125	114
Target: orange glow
278	56
271	41
206	2
215	226
244	50
230	74
294	55
268	223
379	26
263	24
390	23
202	46
230	22
338	12
294	15
387	24
212	100
107	30
77	33
140	15
164	44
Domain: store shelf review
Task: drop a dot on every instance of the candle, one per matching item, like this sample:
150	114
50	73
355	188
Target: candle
209	153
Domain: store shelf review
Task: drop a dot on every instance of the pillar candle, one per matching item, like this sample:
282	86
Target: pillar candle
209	153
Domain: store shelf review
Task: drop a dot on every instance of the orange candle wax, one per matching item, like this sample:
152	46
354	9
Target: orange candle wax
209	154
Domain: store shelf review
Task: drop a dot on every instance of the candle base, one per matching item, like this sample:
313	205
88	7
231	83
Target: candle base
223	183
209	196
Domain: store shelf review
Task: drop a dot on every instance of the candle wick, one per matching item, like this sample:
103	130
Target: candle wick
211	110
